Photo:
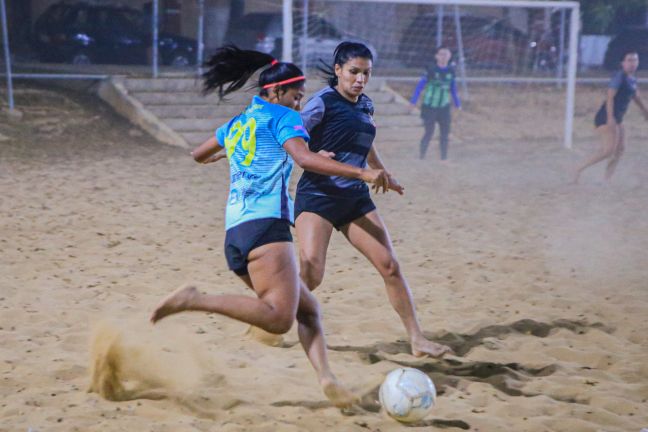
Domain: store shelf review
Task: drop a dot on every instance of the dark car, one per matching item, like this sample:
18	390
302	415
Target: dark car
630	39
84	34
264	32
488	43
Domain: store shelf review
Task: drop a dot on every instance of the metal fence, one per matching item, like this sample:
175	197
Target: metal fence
287	28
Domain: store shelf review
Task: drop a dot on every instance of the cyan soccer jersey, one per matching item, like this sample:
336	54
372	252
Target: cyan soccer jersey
260	168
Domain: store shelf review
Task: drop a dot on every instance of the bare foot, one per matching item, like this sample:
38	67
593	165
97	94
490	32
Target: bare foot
425	347
338	394
177	301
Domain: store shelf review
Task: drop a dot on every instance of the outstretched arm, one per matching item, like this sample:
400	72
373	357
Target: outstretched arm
209	151
374	161
419	88
455	94
314	162
640	103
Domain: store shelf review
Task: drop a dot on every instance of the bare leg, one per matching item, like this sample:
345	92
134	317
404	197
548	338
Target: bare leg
369	235
618	152
311	336
257	333
274	278
314	233
609	139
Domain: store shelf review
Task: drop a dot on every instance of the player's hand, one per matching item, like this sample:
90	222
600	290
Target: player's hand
326	154
215	157
393	184
377	177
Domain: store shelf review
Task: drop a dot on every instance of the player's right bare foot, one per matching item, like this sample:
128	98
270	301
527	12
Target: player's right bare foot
178	301
339	395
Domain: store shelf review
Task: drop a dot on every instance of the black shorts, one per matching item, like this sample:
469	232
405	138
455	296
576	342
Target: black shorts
432	115
601	117
243	238
337	210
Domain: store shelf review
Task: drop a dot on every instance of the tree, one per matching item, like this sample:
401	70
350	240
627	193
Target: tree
606	16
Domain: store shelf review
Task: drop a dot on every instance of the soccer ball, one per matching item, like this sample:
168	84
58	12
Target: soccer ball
407	394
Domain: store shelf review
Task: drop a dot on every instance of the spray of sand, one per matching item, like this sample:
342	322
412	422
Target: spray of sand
127	365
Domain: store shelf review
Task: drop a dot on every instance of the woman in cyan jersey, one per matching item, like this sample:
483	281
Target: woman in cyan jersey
609	118
339	119
437	86
261	144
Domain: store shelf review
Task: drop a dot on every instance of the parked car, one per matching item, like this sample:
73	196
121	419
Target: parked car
629	39
84	34
488	43
264	32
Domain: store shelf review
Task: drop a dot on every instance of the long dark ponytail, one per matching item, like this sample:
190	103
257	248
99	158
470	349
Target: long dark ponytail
344	52
231	67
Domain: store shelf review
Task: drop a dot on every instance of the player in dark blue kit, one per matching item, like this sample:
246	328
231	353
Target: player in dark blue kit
260	145
609	118
339	119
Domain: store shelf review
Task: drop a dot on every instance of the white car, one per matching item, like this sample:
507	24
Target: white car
264	32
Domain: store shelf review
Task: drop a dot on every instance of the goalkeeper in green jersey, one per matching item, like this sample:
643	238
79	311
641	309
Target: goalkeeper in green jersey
437	87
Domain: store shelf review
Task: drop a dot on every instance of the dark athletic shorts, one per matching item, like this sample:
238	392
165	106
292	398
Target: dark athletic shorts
243	238
601	117
337	210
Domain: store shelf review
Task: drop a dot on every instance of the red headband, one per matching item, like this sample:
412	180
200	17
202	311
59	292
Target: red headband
288	81
274	62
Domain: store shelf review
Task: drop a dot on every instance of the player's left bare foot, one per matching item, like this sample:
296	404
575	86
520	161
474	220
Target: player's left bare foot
339	395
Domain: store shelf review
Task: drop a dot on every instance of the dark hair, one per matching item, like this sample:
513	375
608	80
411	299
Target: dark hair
231	67
627	53
342	54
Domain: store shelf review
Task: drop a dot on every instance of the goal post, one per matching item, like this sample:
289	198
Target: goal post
475	29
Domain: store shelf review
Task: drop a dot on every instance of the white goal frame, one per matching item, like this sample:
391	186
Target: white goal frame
574	28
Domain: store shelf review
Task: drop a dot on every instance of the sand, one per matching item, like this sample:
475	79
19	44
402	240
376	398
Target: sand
540	287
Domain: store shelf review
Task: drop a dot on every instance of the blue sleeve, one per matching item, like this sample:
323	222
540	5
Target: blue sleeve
313	113
221	133
455	95
289	126
616	81
419	88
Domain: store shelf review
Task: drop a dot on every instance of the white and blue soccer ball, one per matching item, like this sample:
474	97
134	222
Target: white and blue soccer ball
407	395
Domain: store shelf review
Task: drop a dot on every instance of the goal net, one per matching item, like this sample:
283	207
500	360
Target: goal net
509	52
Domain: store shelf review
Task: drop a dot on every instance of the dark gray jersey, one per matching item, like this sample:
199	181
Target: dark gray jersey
347	129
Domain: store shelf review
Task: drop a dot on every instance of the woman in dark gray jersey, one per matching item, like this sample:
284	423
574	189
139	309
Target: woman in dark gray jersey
609	118
339	119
